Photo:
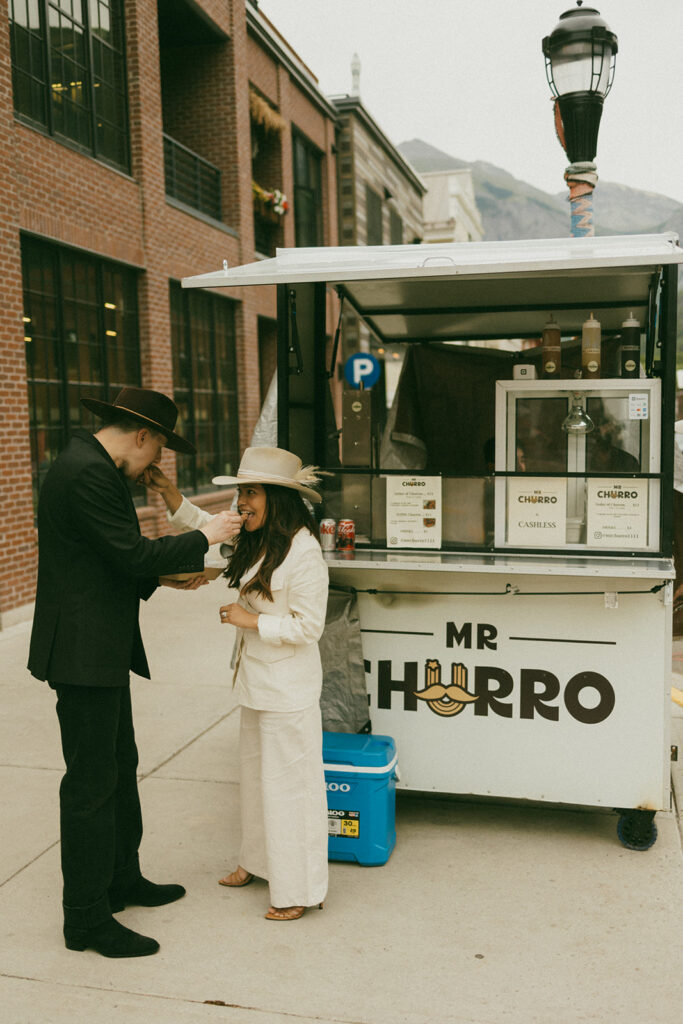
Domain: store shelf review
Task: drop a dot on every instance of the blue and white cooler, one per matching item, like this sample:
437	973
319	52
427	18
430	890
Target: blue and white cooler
360	778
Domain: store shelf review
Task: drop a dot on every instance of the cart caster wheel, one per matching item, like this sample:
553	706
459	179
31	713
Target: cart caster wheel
637	829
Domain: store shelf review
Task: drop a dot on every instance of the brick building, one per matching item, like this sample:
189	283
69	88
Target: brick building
131	134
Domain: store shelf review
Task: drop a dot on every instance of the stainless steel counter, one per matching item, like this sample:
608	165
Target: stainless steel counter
532	564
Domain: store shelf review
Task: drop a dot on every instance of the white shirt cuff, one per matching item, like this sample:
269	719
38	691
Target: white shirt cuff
269	629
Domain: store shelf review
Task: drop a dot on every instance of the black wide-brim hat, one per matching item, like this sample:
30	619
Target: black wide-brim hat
150	408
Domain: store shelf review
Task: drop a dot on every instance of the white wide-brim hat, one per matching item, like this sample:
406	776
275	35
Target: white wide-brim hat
274	466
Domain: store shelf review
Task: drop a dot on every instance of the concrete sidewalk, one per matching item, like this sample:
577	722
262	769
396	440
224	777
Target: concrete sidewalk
484	914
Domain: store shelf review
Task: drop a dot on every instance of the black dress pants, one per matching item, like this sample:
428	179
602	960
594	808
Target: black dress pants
100	817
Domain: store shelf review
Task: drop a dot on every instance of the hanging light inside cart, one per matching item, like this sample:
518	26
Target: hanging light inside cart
578	421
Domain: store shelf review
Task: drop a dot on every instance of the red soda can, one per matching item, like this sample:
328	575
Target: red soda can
346	535
328	529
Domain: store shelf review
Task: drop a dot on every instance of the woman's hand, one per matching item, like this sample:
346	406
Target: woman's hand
236	615
156	480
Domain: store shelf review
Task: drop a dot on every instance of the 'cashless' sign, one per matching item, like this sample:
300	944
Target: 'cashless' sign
362	368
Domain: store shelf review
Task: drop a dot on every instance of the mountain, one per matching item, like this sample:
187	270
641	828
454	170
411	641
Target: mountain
630	211
514	209
509	208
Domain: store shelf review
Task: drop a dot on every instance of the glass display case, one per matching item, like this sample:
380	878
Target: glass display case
578	465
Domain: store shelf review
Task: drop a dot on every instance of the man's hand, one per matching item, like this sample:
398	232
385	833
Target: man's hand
191	584
236	615
222	527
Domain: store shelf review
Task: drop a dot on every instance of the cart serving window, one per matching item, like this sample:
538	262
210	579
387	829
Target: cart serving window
464	320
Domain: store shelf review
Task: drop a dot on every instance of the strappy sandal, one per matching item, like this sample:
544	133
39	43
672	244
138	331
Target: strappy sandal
234	880
287	913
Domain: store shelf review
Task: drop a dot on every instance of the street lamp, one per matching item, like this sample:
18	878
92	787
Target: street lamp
580	54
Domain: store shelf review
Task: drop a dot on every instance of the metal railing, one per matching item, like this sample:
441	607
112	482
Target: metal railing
192	180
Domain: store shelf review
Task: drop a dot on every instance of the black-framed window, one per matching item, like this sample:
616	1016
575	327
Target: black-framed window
373	214
81	338
205	385
395	228
308	201
69	72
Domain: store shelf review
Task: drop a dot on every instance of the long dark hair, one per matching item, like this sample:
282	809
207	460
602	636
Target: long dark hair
286	513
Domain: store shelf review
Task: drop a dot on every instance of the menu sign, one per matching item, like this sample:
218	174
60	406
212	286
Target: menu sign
413	511
616	513
537	512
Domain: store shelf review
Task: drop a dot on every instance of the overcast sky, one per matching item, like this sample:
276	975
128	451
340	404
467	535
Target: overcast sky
467	76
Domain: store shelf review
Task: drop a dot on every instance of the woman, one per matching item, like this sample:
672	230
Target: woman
279	570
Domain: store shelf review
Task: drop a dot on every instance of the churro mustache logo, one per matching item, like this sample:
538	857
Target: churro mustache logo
445	700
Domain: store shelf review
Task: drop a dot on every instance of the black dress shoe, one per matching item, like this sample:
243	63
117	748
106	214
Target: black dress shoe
110	939
144	894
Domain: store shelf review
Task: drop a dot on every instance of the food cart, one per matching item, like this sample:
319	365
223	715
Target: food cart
513	512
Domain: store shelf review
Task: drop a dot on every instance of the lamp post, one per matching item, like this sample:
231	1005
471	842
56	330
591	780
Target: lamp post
580	54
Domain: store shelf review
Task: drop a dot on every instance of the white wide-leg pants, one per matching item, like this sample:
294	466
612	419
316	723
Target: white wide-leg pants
283	804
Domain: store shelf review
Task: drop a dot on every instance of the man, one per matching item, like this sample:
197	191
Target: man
94	566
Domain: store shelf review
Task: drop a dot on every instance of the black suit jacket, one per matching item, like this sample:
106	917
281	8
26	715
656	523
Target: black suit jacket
93	567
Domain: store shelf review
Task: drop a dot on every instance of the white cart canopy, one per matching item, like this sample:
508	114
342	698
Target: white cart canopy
445	292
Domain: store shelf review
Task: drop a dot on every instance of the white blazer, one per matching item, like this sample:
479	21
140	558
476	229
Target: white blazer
278	665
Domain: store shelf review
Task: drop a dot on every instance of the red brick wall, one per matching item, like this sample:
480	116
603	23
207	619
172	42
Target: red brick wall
52	191
263	70
17	533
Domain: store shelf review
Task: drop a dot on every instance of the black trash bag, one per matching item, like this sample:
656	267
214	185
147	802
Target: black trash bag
344	697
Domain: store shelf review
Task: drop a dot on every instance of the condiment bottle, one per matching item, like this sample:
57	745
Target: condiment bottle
551	357
590	347
629	352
